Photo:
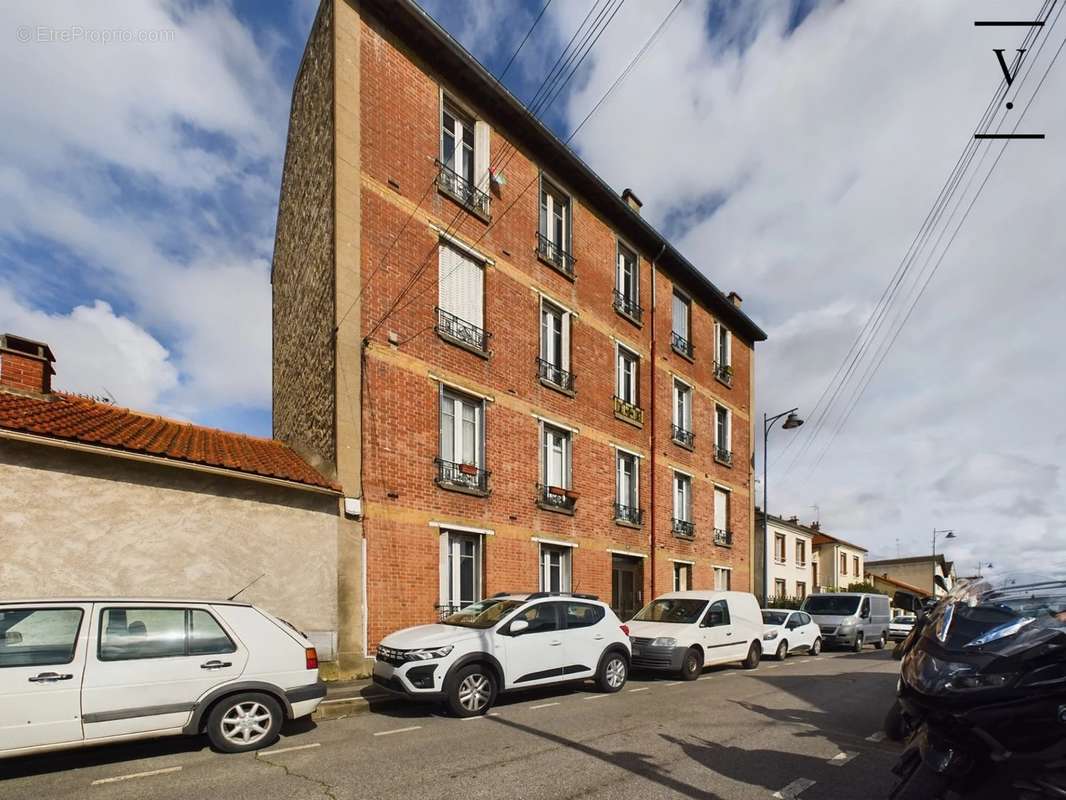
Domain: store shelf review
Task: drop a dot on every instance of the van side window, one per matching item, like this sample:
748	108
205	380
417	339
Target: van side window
38	637
134	633
865	612
717	614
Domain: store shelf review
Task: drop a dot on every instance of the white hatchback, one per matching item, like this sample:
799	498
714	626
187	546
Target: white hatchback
790	632
84	672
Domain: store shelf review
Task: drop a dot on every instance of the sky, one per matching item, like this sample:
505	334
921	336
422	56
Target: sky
790	148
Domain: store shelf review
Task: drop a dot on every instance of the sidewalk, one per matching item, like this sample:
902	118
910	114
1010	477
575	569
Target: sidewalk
347	698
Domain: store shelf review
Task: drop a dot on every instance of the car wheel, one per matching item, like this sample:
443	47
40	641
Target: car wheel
857	647
754	654
782	651
244	722
816	648
692	665
613	673
472	692
880	643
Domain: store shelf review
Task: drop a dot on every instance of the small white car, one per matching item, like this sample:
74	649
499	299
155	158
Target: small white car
84	672
684	632
507	642
901	626
790	632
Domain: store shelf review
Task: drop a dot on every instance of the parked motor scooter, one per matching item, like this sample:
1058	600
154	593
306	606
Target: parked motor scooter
897	726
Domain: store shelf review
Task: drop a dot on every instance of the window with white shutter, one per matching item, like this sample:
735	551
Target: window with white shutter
460	297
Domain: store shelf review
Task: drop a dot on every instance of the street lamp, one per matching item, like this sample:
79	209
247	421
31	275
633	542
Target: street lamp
791	422
948	534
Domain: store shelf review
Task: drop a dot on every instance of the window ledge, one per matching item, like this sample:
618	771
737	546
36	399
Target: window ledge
548	262
557	387
627	524
723	544
683	354
725	381
628	316
683	446
555	509
685	537
486	218
451	487
624	418
485	354
725	462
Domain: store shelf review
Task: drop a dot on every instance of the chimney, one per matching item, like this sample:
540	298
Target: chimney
632	200
794	520
735	299
815	526
25	365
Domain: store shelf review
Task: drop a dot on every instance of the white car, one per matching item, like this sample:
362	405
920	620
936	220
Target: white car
84	672
509	641
790	632
684	632
901	625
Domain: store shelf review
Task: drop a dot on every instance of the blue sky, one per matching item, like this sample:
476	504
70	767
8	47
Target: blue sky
790	149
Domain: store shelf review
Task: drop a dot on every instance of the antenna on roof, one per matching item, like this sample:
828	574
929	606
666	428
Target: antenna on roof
249	586
817	514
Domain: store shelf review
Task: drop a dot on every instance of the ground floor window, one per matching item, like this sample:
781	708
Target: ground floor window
461	561
554	568
682	576
801	589
780	588
722	578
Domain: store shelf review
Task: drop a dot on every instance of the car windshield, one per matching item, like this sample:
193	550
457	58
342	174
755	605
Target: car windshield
840	605
483	614
672	609
774	617
903	619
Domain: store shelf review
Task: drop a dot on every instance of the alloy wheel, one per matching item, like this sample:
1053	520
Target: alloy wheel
246	723
616	673
474	692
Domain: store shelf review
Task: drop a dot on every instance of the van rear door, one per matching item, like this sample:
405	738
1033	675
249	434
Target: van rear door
42	659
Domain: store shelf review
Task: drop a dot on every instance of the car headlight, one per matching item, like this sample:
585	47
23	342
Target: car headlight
664	641
428	654
846	629
769	635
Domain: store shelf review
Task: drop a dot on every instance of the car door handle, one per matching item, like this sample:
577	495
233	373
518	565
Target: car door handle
216	664
50	677
555	643
729	633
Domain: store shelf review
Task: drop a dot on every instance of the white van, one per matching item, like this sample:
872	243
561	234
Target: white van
850	619
83	672
684	632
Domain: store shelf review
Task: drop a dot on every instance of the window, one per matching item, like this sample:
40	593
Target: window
460	570
628	376
582	615
555	457
135	633
680	336
627	284
801	552
682	427
722	533
555	346
554	232
38	637
801	592
722	577
779	548
682	576
460	302
843	564
627	500
462	441
542	618
855	567
464	158
717	613
723	354
779	588
683	505
554	569
723	450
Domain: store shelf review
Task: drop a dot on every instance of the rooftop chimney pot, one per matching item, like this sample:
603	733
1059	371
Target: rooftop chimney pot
25	365
632	200
735	299
794	520
816	525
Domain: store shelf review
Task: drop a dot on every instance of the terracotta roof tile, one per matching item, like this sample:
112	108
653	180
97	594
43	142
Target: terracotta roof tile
79	419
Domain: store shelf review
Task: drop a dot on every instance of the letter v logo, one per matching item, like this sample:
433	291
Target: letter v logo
1003	64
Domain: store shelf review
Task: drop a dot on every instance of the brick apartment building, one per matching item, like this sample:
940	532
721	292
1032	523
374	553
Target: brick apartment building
559	400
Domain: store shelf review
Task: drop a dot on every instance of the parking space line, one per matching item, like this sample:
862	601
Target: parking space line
399	730
287	749
840	759
675	683
542	705
133	775
641	688
876	737
793	789
597	696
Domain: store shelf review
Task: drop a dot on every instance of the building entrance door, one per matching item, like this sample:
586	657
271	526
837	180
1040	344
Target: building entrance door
627	585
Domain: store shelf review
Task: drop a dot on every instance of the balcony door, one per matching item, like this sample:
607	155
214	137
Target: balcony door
627	585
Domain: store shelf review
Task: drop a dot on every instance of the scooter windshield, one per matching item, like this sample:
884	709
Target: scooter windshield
986	611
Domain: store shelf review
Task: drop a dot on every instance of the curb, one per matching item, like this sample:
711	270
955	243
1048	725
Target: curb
341	707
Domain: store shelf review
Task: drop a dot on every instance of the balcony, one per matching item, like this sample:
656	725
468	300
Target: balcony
445	610
684	529
463	333
555	256
466	478
723	538
625	410
681	345
682	437
463	191
555	377
723	373
723	456
556	498
628	515
628	307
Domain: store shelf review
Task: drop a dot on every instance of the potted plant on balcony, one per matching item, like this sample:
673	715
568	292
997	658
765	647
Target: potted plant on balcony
558	491
468	469
571	494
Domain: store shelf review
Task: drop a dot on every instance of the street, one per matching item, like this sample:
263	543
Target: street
808	727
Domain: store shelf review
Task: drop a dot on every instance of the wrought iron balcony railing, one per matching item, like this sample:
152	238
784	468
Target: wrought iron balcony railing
724	373
628	410
462	476
463	190
445	610
723	538
556	497
681	344
555	255
462	331
547	371
628	306
682	437
630	514
684	528
723	456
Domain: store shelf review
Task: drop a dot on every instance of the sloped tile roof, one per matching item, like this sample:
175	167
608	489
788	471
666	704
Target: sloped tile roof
79	419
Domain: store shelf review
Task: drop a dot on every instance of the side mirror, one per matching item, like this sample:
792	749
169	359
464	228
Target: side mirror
518	626
905	600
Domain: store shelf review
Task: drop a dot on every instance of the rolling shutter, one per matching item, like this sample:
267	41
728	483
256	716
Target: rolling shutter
461	289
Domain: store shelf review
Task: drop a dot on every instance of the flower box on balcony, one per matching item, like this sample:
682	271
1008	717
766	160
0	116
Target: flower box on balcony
558	491
571	494
468	469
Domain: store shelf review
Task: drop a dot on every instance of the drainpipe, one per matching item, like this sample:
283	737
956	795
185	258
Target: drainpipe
651	410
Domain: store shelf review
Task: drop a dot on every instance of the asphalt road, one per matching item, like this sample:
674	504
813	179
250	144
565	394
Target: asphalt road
807	728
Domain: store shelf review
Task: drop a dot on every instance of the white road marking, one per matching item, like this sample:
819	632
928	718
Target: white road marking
675	683
804	661
136	775
639	689
773	666
876	737
399	730
542	705
840	759
597	697
344	700
793	789
483	716
288	749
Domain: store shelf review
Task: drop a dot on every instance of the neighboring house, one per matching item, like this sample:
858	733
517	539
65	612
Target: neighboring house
934	575
890	587
519	382
837	563
98	500
790	556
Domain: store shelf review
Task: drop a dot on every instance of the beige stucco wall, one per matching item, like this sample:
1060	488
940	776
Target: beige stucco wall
916	573
82	524
828	559
790	571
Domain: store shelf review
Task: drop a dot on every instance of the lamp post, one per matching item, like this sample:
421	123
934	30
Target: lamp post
948	534
791	422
